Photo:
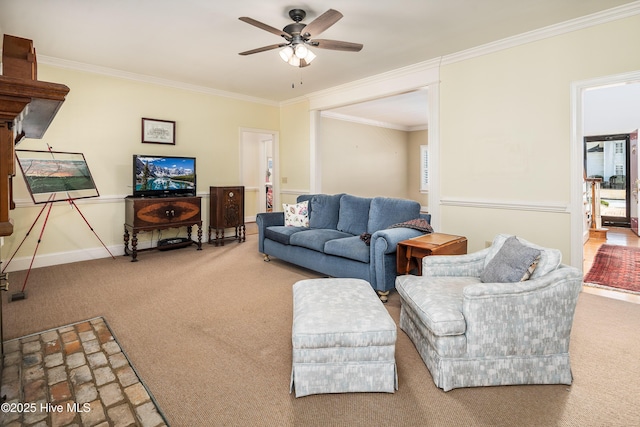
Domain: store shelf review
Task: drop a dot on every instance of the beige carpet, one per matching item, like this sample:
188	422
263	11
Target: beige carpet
209	333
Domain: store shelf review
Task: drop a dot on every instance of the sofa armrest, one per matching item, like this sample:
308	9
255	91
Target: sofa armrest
491	290
531	317
382	264
387	240
268	219
469	265
264	220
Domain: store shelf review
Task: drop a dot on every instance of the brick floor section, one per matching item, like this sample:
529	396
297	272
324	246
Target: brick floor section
76	375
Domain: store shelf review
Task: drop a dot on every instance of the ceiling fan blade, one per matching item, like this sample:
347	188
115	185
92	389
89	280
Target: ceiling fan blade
336	45
262	49
321	23
265	27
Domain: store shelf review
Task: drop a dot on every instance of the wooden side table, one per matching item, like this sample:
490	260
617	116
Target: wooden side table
410	252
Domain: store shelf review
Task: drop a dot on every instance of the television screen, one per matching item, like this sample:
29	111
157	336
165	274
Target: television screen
163	175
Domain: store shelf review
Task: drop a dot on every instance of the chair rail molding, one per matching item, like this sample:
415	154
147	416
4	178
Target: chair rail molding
550	207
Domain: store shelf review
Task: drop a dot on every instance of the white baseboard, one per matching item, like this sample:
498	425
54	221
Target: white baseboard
46	260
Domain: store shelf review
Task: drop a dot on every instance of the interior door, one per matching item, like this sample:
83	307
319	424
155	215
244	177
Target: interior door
608	157
634	165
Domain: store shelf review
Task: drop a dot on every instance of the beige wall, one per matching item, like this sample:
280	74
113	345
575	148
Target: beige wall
102	119
505	132
294	151
362	160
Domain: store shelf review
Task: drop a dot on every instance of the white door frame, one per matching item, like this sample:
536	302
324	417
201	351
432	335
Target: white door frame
275	138
577	155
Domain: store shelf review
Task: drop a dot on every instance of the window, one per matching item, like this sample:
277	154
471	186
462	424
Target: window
424	168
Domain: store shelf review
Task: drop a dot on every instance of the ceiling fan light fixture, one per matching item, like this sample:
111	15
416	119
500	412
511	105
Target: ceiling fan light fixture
295	55
301	51
310	56
294	60
286	54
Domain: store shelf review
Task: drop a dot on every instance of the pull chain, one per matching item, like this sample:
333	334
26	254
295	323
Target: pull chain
293	85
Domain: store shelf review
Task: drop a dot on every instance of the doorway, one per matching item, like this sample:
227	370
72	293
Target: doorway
600	106
259	171
608	158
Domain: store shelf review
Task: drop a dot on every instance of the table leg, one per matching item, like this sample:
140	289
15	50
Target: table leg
134	247
407	268
126	241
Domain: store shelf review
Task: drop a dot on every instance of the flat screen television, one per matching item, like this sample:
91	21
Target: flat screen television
157	176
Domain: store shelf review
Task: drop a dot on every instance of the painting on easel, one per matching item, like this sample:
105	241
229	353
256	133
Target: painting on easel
55	175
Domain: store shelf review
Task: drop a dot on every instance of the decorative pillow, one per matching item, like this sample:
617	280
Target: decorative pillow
514	262
296	215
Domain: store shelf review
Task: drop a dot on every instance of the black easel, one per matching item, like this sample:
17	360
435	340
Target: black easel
48	204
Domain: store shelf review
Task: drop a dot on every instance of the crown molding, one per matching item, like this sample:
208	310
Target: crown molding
110	72
602	17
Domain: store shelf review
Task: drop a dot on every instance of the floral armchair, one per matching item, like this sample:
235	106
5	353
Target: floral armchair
499	331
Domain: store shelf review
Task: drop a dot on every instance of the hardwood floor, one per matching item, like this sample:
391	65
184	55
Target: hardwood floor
615	236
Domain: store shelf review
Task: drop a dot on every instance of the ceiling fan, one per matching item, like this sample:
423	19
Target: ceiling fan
299	35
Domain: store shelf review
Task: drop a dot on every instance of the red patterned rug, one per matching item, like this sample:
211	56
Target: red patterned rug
616	267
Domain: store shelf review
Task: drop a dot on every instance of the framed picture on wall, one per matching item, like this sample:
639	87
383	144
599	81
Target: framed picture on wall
158	131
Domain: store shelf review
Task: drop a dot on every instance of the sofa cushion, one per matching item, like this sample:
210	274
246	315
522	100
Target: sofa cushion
349	247
354	214
296	215
436	301
511	264
316	238
324	211
386	211
281	233
550	259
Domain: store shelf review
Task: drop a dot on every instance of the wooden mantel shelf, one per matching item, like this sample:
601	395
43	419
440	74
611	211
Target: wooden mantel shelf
41	99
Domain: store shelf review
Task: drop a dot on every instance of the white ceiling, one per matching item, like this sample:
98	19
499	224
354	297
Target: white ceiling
197	41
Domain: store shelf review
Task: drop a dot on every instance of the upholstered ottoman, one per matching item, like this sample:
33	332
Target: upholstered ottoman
343	339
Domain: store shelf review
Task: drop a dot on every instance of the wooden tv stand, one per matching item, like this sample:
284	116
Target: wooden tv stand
158	213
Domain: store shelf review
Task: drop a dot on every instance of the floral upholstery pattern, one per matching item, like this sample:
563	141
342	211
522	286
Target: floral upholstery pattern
472	334
296	215
343	338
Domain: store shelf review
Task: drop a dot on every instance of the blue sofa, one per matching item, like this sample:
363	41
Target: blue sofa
333	242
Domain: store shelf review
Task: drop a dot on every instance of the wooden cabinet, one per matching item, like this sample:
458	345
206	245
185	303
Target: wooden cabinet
149	213
226	210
